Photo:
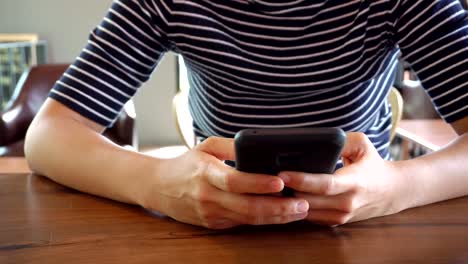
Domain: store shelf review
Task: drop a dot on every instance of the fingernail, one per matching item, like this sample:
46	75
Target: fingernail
302	207
276	185
285	177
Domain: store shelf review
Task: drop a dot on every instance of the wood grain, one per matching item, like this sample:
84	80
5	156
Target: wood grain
43	222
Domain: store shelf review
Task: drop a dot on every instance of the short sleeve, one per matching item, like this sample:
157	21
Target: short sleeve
122	52
433	38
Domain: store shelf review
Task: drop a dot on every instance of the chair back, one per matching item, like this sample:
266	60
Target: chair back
396	102
184	121
29	95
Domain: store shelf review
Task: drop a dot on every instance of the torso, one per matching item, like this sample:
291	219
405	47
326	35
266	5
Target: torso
287	64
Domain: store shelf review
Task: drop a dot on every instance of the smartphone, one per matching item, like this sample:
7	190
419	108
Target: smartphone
270	151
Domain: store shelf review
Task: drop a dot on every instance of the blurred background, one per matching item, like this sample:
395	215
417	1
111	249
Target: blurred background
63	27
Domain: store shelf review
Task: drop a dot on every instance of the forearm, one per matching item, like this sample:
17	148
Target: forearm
72	154
438	176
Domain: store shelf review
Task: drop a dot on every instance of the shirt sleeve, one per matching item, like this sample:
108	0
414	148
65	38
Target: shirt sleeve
433	38
122	52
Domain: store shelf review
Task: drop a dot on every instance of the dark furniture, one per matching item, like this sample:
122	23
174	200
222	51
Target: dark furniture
30	94
416	102
43	222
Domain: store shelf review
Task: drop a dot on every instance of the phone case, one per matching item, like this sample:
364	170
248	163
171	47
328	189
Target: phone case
270	151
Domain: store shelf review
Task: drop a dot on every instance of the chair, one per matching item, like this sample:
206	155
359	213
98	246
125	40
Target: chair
30	93
418	104
183	123
396	101
183	119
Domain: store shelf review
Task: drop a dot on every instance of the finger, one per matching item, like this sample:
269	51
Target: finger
232	219
357	146
328	217
275	220
342	202
320	184
220	218
221	148
231	180
261	206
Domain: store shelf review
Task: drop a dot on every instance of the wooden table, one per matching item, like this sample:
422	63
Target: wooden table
43	222
431	134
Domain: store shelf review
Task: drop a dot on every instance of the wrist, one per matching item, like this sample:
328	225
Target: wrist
146	187
408	189
402	197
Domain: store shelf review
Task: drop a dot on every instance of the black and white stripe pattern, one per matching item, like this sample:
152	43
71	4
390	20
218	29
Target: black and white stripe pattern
282	63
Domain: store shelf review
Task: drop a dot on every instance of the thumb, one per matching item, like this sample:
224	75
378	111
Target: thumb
221	148
356	147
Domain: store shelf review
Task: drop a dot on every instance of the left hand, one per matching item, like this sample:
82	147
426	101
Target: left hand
367	186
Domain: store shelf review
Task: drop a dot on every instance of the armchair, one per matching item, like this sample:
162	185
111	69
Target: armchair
30	93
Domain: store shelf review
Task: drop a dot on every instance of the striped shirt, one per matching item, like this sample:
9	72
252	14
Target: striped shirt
276	63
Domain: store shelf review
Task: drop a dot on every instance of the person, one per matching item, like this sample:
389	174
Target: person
262	64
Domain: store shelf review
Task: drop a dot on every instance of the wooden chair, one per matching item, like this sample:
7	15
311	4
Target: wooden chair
183	123
183	119
396	101
30	94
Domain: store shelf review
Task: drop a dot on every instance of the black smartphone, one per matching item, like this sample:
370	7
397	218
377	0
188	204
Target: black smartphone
270	151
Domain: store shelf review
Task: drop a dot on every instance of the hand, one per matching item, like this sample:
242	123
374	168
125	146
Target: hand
367	186
198	188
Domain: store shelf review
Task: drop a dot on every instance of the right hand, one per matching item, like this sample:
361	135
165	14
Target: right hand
198	188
